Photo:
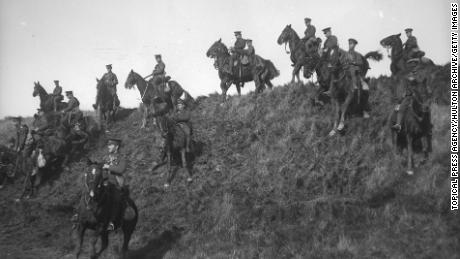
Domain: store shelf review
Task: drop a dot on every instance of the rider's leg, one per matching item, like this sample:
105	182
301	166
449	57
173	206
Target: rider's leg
400	111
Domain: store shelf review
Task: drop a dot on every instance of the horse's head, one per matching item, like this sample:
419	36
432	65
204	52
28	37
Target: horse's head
37	89
287	34
94	180
131	80
217	49
391	41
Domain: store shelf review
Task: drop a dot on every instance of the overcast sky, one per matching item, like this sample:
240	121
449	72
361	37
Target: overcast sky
73	40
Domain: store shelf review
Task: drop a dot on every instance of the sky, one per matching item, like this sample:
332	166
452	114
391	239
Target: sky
72	41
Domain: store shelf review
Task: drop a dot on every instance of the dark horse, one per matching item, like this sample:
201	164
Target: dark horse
416	125
299	54
149	91
398	57
46	100
49	154
94	213
176	137
343	92
261	76
106	108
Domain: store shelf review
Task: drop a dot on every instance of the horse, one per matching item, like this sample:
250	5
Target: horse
343	91
106	108
48	155
94	212
416	127
46	100
299	54
398	57
242	73
176	137
150	90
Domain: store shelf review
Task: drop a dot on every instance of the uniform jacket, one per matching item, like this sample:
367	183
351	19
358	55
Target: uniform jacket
331	42
73	105
239	45
57	90
355	58
159	69
117	163
110	79
310	32
411	43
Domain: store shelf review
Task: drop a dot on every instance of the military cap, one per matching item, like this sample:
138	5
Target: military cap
351	40
68	92
307	19
326	29
108	66
115	141
237	33
158	56
56	81
408	30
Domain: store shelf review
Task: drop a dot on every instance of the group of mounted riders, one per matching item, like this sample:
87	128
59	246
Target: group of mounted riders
60	129
342	77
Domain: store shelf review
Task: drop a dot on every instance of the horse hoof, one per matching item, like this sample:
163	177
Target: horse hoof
366	115
332	133
410	172
341	126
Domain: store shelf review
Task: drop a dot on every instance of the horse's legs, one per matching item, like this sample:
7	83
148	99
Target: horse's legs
127	232
145	112
80	235
93	243
104	242
425	146
410	162
344	109
185	165
295	72
336	117
223	86
238	88
169	178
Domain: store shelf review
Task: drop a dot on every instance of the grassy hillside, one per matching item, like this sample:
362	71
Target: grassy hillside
269	183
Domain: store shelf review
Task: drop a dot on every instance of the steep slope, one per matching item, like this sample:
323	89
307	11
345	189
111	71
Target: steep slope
269	183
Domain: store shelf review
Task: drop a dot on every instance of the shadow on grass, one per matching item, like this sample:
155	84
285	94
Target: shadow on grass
157	247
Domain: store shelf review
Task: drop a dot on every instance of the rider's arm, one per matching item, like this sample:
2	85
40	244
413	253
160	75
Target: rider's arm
118	169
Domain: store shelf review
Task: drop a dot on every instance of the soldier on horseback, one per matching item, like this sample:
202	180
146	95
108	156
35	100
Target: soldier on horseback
355	63
410	46
115	167
72	111
331	46
111	81
182	118
57	94
21	136
237	50
77	138
310	36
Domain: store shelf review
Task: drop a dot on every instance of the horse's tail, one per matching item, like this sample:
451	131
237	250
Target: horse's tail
374	55
273	72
